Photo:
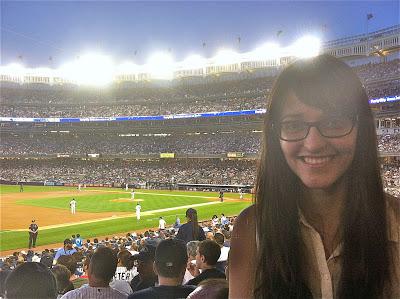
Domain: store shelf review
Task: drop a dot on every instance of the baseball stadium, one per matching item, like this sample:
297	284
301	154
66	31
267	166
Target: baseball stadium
166	139
175	150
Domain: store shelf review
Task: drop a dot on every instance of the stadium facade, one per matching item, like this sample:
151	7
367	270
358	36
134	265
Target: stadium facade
218	108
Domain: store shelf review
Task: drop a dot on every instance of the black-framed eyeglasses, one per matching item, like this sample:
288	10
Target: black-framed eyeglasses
331	127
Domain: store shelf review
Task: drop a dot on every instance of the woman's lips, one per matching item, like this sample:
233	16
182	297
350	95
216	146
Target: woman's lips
316	160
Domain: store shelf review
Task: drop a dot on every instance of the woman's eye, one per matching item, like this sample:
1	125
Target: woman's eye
334	123
293	126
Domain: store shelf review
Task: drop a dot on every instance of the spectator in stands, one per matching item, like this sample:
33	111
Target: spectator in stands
3	276
101	270
83	279
177	223
207	256
47	259
62	275
215	288
223	258
66	250
146	277
78	241
124	273
322	226
170	266
31	281
191	230
70	262
191	248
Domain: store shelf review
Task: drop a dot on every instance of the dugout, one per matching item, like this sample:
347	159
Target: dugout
214	187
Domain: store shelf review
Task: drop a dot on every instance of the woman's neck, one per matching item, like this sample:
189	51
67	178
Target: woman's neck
323	210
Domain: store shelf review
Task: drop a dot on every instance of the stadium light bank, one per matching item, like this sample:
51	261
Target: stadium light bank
96	69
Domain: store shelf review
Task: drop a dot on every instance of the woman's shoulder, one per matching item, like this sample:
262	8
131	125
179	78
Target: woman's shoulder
242	255
247	217
244	227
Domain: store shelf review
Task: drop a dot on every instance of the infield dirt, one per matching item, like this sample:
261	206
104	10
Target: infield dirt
15	216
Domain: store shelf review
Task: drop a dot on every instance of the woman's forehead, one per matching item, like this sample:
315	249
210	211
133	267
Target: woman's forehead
294	107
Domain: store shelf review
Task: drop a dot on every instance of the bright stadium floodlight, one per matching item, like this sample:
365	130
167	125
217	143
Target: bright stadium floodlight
193	62
90	69
160	66
128	68
13	69
307	46
266	51
225	57
42	71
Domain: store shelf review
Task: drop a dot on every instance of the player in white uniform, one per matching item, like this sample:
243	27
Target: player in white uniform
240	193
133	194
161	223
138	208
72	205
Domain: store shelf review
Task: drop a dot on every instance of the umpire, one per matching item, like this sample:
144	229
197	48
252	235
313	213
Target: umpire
33	233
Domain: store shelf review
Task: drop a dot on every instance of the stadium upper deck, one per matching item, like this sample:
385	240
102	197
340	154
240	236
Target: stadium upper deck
240	91
267	60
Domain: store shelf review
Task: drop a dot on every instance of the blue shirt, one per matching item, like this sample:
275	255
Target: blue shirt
62	251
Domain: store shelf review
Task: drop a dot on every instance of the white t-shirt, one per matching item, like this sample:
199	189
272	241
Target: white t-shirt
121	279
138	207
121	273
162	224
224	254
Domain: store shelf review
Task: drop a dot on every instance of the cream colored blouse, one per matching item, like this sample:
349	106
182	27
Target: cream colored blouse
323	275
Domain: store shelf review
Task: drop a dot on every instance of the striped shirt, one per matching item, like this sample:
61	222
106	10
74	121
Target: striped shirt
87	291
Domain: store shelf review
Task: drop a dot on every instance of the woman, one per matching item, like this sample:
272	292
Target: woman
321	226
191	231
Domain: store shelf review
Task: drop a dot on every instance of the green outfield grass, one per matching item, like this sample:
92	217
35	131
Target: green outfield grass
6	189
102	202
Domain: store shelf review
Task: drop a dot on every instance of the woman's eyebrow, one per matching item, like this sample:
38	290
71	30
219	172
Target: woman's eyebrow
292	115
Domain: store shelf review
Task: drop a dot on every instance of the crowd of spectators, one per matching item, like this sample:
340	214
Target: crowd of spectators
391	178
112	144
378	71
140	172
380	79
122	266
389	143
150	173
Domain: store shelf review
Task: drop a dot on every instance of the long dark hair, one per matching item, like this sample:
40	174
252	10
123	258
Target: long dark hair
191	214
329	84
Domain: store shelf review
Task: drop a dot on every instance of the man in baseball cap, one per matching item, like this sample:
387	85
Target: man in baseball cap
170	266
66	250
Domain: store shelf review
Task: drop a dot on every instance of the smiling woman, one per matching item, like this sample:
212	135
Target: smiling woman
321	226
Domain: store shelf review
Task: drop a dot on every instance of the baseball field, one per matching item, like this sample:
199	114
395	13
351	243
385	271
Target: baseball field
99	211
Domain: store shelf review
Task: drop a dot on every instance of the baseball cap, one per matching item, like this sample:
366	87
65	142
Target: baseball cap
171	257
47	260
146	254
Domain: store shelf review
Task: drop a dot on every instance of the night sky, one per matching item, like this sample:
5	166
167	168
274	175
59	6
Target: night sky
33	31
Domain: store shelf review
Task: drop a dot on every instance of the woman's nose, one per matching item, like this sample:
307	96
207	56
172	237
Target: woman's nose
314	140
